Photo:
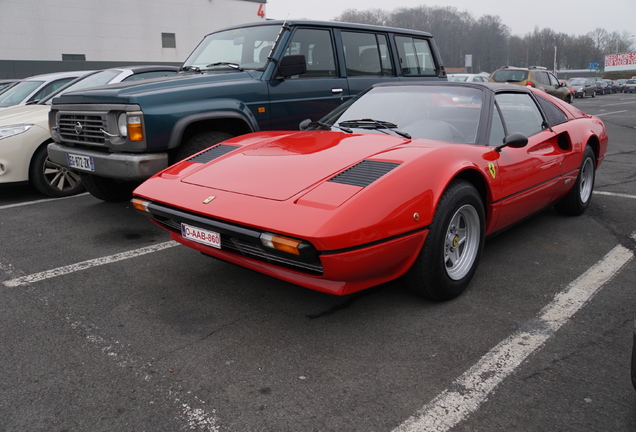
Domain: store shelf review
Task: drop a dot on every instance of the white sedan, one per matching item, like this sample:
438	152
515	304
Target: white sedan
465	77
24	134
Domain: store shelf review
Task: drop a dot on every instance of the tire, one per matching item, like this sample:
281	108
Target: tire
107	189
52	179
569	98
594	94
200	142
448	260
578	199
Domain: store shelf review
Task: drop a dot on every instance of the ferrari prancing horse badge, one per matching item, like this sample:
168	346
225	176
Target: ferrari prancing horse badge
491	168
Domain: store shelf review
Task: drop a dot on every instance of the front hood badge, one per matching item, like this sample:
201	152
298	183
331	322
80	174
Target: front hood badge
208	199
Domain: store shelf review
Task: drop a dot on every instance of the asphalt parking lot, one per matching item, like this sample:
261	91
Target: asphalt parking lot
106	325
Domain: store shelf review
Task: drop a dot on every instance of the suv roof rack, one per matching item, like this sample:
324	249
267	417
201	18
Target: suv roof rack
537	67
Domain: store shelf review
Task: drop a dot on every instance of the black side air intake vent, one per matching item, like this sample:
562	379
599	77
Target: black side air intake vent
212	153
364	173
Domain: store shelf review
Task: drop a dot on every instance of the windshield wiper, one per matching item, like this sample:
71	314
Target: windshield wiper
229	64
327	125
380	125
191	68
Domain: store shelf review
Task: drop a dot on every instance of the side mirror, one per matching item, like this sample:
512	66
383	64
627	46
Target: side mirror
514	140
292	65
304	124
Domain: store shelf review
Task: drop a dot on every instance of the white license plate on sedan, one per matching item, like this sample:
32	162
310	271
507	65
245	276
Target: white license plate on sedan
201	235
84	163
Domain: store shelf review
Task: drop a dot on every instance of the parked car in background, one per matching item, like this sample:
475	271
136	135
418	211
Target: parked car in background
599	87
24	134
268	75
583	87
534	76
621	84
608	86
35	88
630	86
432	153
462	77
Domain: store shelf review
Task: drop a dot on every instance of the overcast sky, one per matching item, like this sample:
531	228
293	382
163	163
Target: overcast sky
570	17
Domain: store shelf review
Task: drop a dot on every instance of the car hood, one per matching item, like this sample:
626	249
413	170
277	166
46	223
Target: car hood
182	86
25	114
278	166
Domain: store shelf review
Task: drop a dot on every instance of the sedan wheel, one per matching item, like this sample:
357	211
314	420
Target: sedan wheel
53	179
448	260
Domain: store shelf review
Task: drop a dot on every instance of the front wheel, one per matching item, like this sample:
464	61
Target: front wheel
568	98
448	260
107	189
579	197
52	179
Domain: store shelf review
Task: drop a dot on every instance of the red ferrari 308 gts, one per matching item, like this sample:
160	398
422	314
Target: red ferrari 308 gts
406	180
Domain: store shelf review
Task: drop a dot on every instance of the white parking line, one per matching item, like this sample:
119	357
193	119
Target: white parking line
608	113
192	410
619	195
8	206
36	277
471	389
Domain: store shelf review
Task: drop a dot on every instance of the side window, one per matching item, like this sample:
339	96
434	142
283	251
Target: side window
520	113
50	88
497	133
317	47
366	54
553	80
415	56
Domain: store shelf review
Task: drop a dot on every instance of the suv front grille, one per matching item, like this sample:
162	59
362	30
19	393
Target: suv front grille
81	128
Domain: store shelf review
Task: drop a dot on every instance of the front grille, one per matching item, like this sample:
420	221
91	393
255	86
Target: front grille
247	248
81	128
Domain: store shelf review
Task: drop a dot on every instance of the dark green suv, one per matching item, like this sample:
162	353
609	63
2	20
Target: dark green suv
534	76
264	76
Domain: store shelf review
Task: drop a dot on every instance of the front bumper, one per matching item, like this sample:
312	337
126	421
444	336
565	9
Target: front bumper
121	166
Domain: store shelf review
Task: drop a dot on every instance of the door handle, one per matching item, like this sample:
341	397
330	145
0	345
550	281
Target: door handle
336	90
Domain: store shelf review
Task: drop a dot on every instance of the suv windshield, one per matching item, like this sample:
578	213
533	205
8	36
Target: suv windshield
242	48
510	76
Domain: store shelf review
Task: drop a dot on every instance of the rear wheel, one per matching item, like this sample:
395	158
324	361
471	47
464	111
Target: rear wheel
579	197
53	179
107	189
448	260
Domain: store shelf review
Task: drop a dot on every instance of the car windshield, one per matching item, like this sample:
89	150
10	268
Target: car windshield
510	76
243	48
457	78
18	92
93	80
577	82
446	113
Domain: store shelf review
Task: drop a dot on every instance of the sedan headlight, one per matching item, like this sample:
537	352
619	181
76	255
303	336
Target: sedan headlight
9	131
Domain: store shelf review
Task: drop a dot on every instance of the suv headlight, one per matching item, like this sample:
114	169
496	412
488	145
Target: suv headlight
9	131
129	125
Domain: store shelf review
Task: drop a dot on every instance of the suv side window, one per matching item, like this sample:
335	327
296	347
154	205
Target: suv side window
553	80
520	113
415	56
317	47
366	54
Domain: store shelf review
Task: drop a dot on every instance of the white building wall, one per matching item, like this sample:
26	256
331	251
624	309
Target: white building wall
114	30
